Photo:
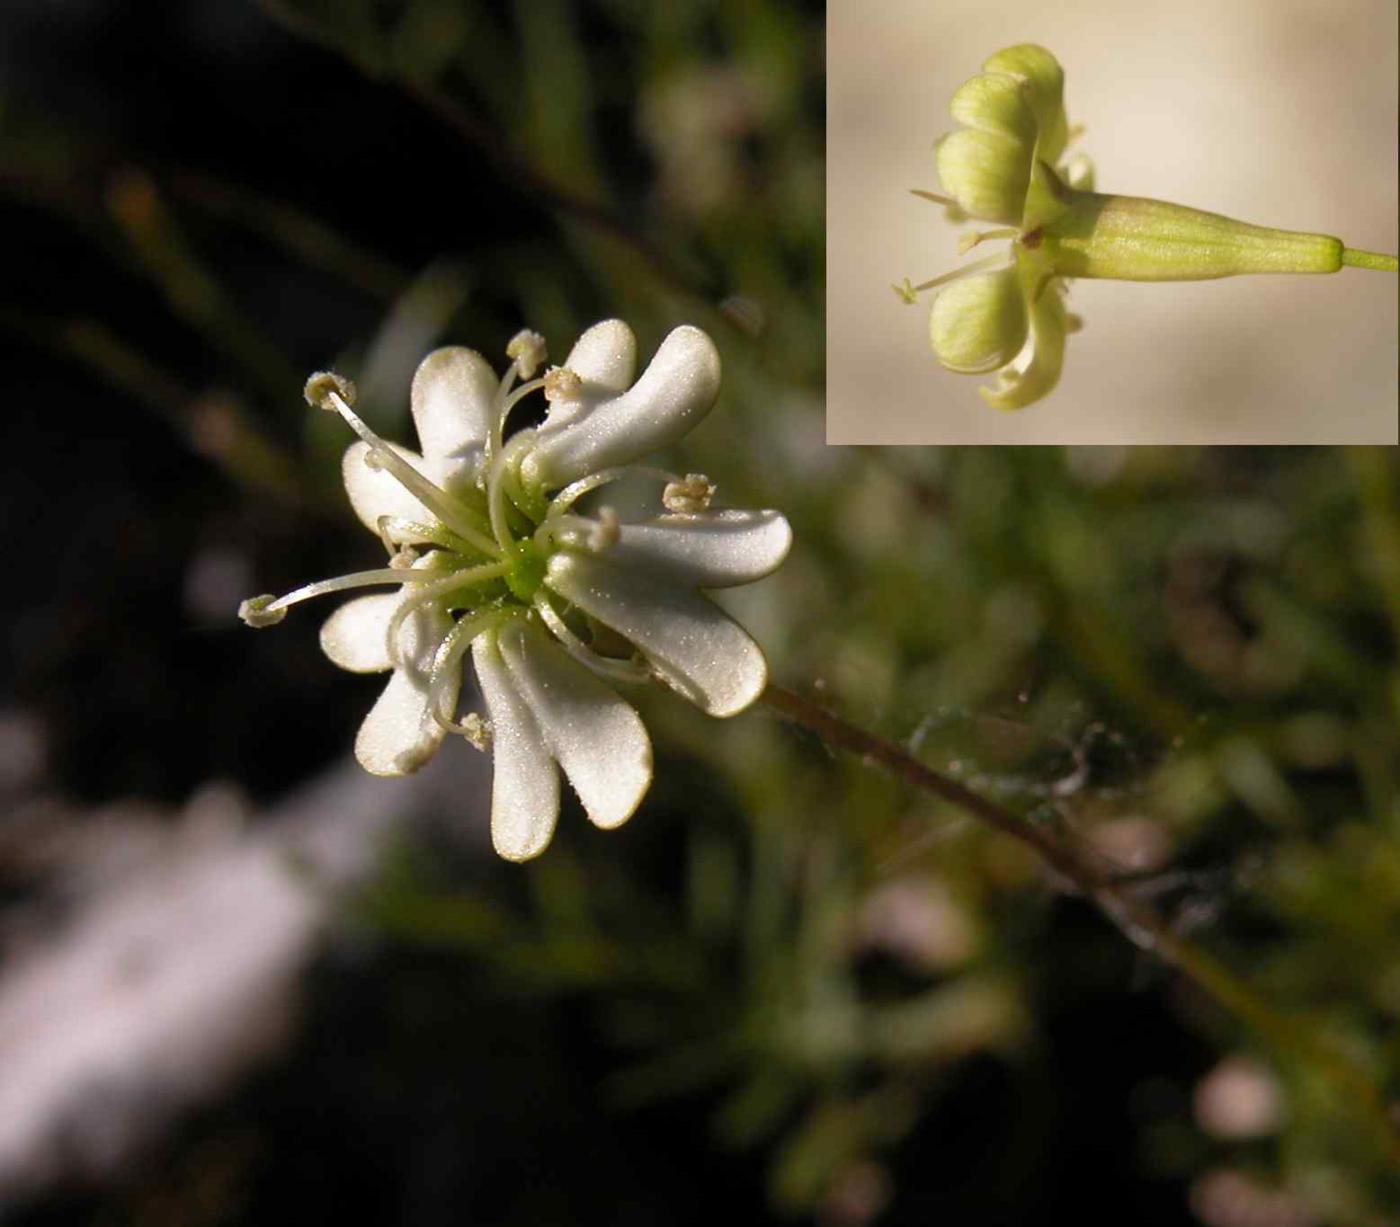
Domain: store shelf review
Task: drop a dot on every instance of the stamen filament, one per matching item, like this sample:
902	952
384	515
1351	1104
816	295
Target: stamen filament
605	666
970	240
396	530
907	291
574	491
935	198
462	581
496	492
448	658
357	579
430	495
498	411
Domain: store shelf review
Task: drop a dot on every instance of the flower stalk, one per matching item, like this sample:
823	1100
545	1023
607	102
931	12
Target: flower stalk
1137	919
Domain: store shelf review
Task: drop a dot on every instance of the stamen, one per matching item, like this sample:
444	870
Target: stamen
431	496
605	666
533	503
970	240
259	611
269	610
689	496
319	387
908	291
605	531
560	383
496	491
396	532
411	760
528	349
447	660
575	490
935	198
478	732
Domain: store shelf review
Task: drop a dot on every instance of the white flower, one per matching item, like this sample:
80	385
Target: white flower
555	561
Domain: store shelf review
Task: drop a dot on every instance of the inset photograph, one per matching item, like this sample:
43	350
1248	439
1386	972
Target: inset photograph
1177	227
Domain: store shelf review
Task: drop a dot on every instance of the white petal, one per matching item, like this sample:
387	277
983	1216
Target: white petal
377	492
354	637
595	734
605	358
399	735
454	389
525	788
675	391
692	643
715	549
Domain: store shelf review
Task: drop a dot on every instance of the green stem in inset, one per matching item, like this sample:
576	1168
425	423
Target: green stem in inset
1370	259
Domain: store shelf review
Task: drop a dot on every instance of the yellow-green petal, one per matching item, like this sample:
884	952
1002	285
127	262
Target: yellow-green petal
1044	82
996	103
979	323
1049	325
986	173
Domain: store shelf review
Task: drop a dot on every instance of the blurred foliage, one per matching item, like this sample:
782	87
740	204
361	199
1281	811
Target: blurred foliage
1189	657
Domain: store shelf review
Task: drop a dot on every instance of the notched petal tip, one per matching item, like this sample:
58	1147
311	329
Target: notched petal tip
605	358
1044	84
677	389
595	735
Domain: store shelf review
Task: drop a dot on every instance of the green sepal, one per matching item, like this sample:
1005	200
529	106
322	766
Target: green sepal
1047	199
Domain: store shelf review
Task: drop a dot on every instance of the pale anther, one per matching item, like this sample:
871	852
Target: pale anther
476	731
689	495
528	350
605	530
324	385
255	612
560	383
970	240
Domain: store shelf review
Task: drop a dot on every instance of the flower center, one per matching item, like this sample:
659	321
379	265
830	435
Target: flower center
481	553
527	562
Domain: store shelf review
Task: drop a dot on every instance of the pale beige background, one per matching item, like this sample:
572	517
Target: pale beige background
1278	112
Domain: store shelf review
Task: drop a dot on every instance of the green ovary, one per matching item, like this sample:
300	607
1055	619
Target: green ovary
527	569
